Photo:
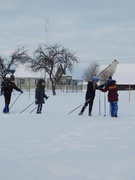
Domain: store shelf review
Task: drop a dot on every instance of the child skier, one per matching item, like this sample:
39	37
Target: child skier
112	89
7	87
40	95
90	95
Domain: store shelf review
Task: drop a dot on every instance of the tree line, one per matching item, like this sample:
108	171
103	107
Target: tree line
53	60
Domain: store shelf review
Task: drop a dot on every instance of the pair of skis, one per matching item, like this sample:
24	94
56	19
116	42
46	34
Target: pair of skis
28	107
99	105
25	108
77	107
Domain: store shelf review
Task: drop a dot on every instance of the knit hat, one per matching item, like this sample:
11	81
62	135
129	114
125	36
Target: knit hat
41	81
95	79
12	78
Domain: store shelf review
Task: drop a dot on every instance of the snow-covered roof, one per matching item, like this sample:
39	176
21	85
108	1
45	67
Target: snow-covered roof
23	72
125	73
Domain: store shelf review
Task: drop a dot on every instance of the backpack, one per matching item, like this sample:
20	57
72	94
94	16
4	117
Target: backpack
6	85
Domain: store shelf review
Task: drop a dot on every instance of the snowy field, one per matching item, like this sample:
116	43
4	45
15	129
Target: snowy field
57	146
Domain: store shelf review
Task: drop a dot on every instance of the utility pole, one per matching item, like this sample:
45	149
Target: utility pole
46	30
47	22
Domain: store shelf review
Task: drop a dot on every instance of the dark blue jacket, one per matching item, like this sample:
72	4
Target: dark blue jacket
7	87
40	94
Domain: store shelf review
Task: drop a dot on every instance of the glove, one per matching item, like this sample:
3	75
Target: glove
46	97
101	86
21	91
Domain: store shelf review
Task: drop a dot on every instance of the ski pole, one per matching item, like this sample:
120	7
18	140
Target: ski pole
33	110
99	104
27	107
77	107
15	101
104	104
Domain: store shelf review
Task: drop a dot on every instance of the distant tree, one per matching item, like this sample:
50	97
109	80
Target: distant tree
91	71
18	56
54	60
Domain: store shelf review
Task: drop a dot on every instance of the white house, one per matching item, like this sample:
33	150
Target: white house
27	79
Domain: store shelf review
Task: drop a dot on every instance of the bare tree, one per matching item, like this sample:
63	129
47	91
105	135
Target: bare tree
2	66
91	71
20	55
54	60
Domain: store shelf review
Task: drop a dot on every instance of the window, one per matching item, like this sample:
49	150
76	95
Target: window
23	81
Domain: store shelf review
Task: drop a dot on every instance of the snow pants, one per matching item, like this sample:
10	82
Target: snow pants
114	108
39	108
90	103
7	97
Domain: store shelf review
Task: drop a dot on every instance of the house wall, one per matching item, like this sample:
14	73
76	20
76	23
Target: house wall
69	85
126	87
26	83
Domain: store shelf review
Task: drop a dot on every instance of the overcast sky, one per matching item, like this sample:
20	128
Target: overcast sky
99	30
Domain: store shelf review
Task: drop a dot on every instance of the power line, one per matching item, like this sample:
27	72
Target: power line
121	60
47	22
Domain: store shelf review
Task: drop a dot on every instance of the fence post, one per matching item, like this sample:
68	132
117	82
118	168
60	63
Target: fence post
129	91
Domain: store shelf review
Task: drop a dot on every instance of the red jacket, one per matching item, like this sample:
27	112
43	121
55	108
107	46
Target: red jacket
112	92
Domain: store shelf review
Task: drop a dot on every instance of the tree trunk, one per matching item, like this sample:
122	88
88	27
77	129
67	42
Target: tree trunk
54	90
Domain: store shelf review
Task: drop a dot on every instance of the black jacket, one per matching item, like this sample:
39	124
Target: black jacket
91	87
40	94
7	87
